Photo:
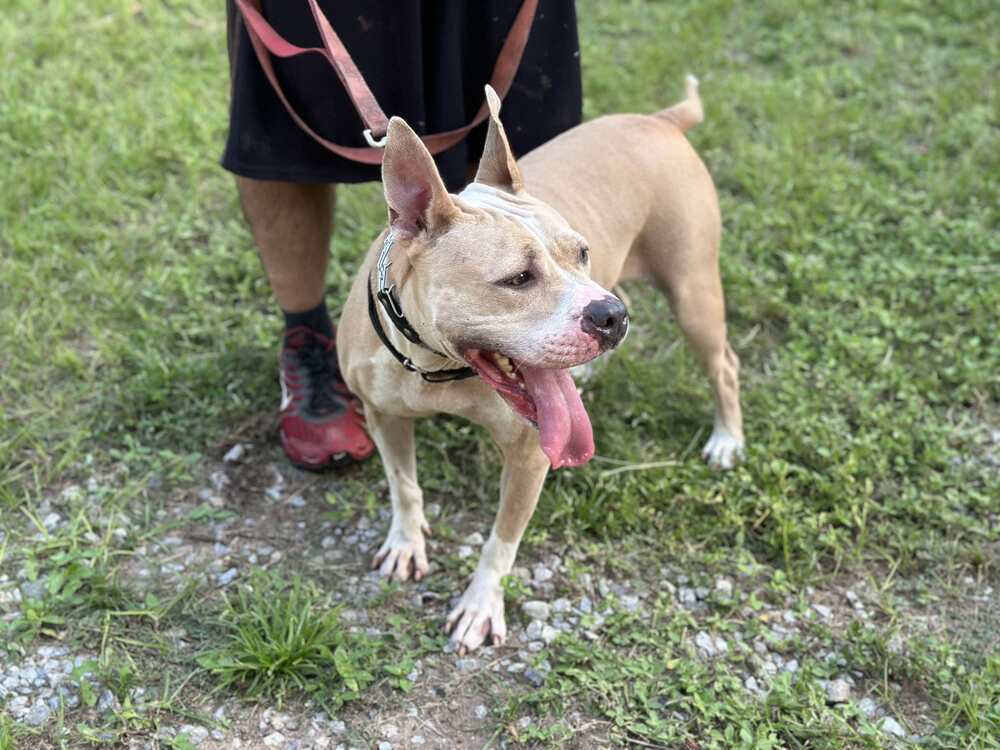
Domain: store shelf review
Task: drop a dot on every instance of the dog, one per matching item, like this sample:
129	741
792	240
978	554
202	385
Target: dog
477	304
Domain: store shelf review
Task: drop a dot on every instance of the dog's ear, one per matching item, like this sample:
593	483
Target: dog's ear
498	167
414	191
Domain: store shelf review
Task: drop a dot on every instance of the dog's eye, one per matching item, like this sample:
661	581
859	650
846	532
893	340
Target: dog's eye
584	254
518	279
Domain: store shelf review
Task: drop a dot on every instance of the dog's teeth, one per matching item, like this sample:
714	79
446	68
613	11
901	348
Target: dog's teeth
504	363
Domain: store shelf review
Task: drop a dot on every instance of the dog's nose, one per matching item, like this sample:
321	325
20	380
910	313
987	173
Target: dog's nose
607	320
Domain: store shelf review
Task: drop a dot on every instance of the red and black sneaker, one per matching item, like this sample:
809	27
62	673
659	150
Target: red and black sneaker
321	426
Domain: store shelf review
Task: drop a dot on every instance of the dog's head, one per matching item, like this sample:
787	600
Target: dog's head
499	279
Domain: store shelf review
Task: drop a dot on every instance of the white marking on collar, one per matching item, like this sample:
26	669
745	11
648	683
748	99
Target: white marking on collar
489	198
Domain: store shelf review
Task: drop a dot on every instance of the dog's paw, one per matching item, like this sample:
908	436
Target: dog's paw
723	450
478	616
403	554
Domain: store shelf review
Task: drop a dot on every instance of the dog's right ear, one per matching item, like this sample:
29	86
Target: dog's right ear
414	191
498	167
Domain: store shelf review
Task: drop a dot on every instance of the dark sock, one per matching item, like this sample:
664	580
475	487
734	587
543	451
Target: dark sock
318	319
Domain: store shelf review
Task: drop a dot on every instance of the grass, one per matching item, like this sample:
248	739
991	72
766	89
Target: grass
855	148
279	641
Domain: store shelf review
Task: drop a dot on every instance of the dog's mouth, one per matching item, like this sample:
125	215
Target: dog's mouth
545	397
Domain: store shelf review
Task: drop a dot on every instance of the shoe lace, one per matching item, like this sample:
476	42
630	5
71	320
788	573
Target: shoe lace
323	373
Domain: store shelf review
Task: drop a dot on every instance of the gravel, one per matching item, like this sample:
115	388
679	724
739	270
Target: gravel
195	734
890	726
541	574
710	646
37	689
536	610
274	739
41	685
234	454
838	691
536	678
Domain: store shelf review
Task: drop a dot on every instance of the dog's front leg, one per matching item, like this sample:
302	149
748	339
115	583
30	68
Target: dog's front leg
403	554
480	613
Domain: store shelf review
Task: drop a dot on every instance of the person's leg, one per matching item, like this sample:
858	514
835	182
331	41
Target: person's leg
291	225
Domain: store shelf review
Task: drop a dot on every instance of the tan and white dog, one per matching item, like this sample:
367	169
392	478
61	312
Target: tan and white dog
510	277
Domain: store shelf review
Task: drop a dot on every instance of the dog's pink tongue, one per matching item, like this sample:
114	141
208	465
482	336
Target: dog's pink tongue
567	437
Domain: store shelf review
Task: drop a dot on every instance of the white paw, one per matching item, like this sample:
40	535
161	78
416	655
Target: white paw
403	553
723	450
478	615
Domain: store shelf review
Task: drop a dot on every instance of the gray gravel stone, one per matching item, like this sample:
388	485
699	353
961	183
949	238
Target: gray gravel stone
823	611
561	606
107	702
541	574
630	603
38	714
482	712
195	734
536	610
536	678
417	739
534	630
224	579
33	589
705	643
465	551
838	691
890	726
549	634
274	739
868	707
475	539
234	454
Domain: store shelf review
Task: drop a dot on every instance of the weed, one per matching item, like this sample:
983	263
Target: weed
279	639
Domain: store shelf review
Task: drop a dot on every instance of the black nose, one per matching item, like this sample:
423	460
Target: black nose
607	320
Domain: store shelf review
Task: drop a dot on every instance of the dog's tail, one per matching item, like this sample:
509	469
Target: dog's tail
688	112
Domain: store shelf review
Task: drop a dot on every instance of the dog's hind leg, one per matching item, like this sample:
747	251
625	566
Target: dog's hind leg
682	256
697	301
480	612
403	554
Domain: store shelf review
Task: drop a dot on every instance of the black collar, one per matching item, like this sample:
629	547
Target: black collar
392	309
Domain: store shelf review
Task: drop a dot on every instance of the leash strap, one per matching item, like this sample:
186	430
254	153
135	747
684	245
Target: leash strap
266	42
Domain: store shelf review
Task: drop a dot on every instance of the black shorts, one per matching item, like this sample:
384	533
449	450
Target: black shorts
424	61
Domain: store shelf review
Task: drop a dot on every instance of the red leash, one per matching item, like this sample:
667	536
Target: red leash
266	42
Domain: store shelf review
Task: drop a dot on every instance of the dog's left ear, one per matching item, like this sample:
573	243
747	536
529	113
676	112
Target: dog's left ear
498	167
417	198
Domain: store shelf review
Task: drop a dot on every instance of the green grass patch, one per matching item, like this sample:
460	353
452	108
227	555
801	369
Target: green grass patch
281	639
